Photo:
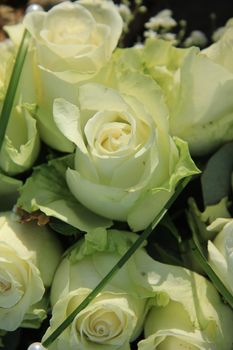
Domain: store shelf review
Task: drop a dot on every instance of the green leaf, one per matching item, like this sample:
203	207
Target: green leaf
8	192
216	179
12	87
46	190
64	228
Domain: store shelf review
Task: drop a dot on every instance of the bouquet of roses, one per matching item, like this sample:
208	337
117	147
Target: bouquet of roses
116	228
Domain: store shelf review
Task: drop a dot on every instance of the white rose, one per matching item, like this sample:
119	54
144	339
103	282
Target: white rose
115	317
198	90
126	165
73	41
108	321
29	255
196	319
79	36
221	251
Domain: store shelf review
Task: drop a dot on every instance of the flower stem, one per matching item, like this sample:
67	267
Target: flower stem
12	87
145	234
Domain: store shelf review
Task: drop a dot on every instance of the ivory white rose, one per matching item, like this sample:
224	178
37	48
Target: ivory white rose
115	316
75	37
73	41
170	328
127	165
201	322
221	250
109	321
198	90
28	258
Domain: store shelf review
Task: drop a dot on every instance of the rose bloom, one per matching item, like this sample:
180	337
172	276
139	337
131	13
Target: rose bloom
75	37
170	328
108	321
126	164
28	258
115	317
201	321
221	250
72	42
198	86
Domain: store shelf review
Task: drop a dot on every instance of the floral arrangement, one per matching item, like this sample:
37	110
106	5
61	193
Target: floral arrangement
116	228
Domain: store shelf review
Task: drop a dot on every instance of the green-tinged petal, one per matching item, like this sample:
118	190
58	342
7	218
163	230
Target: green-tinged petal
47	190
222	52
220	251
207	121
49	132
172	339
101	240
67	119
7	60
20	149
15	32
106	14
161	60
96	97
48	88
36	314
219	210
108	201
31	237
148	92
208	216
8	192
154	197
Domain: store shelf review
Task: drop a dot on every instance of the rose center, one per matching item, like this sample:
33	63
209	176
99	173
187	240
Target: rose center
4	286
114	136
101	328
69	35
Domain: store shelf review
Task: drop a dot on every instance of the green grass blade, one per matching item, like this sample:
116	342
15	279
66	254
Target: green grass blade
12	87
145	234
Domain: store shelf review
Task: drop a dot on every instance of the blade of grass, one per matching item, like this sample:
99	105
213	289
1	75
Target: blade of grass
12	87
145	234
198	253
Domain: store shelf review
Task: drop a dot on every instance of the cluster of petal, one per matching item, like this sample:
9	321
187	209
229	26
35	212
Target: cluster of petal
24	272
84	45
204	120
